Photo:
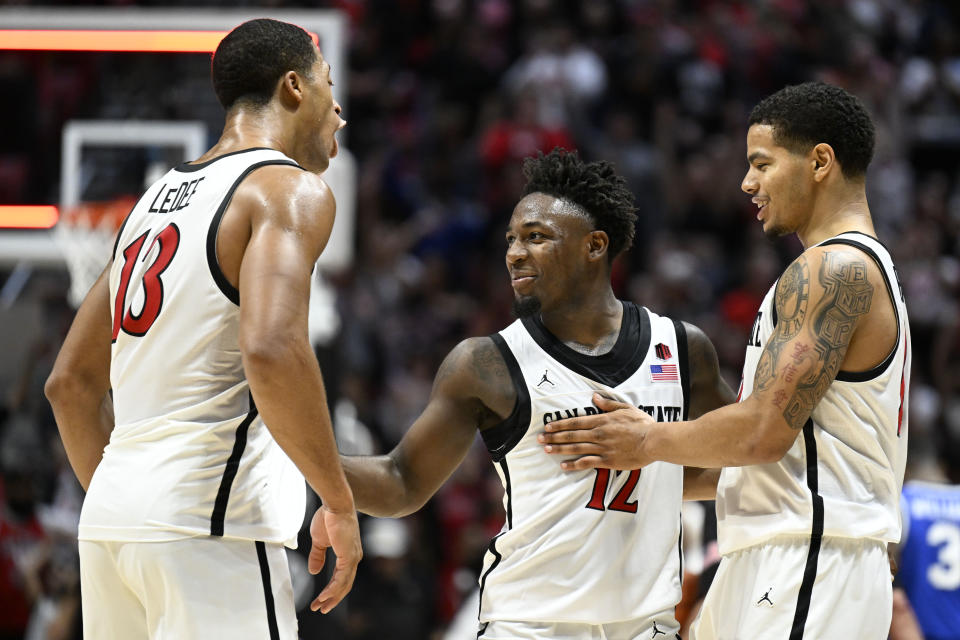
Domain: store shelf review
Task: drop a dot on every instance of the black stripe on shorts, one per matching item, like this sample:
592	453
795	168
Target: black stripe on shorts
268	591
816	536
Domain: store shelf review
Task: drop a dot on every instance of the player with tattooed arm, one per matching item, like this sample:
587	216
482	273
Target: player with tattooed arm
814	452
595	553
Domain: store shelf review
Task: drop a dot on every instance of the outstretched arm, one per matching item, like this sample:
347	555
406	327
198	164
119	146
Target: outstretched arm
79	384
820	301
472	391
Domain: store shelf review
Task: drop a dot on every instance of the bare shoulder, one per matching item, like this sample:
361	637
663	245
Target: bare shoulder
475	368
275	204
840	262
838	279
701	352
837	276
287	201
474	361
708	389
287	192
853	305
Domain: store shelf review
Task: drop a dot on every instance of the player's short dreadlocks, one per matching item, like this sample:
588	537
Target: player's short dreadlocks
592	186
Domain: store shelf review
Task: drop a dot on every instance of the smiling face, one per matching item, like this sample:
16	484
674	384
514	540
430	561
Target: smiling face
548	252
780	181
320	118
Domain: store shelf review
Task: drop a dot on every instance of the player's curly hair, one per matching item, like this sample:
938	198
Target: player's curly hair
807	114
593	186
251	58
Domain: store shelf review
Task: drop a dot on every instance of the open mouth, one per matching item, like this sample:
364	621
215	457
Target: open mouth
761	207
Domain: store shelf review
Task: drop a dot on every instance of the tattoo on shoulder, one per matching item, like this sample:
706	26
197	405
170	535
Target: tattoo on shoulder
793	292
488	362
475	373
848	295
477	360
790	300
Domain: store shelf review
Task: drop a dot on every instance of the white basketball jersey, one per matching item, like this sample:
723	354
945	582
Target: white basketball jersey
593	546
843	475
188	455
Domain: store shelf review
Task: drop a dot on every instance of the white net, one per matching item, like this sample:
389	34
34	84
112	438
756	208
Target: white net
86	234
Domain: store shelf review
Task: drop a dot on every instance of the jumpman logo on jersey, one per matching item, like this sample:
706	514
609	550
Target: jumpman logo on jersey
766	596
657	631
545	379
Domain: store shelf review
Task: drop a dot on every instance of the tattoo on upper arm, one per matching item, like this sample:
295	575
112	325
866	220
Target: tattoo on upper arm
848	295
448	367
479	371
790	301
793	293
488	364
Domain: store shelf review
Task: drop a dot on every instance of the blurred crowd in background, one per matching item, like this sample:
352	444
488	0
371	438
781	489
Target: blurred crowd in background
445	98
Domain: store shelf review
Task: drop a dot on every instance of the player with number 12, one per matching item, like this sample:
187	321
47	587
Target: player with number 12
581	555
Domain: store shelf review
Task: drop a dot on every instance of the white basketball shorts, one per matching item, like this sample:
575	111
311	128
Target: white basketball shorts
788	589
199	588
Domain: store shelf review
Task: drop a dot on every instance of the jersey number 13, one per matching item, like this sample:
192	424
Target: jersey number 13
123	317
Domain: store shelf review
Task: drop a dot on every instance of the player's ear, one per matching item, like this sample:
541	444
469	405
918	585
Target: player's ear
599	244
823	160
290	89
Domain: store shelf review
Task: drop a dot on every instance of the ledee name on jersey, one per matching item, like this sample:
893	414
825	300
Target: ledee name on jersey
660	413
174	198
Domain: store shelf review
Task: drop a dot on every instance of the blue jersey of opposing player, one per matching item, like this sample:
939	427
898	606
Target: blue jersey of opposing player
930	557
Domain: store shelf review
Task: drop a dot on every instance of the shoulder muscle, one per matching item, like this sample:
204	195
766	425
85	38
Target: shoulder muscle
475	368
275	206
289	199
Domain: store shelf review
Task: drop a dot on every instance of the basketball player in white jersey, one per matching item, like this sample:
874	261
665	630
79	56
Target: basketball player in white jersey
581	556
195	468
814	453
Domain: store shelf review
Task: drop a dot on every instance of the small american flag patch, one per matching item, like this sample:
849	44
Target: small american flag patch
664	373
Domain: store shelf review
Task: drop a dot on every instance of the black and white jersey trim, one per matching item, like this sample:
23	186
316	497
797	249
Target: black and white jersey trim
502	438
230	291
230	472
509	493
483	579
870	374
683	355
187	167
611	368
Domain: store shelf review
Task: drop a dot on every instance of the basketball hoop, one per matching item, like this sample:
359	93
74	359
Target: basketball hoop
86	234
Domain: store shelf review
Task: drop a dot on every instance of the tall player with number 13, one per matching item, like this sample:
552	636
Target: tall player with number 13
195	467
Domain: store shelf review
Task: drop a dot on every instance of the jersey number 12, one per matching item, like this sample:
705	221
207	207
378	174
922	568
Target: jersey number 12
619	502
